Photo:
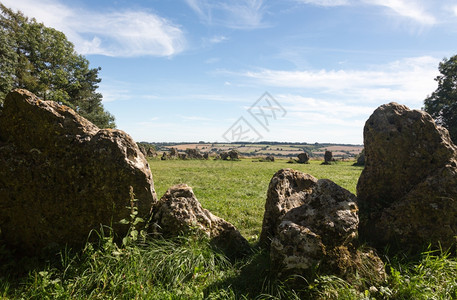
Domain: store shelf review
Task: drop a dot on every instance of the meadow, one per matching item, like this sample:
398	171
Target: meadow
236	190
188	268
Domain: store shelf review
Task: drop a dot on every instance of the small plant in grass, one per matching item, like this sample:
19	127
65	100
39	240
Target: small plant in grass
133	222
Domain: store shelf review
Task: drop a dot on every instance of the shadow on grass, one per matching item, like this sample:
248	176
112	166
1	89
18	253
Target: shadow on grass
254	279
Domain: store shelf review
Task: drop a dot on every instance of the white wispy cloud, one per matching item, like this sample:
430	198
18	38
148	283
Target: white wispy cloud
412	9
194	118
294	103
408	81
236	14
454	10
326	2
415	10
116	33
218	39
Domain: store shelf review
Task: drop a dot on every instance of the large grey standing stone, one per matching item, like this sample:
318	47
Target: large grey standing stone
321	233
287	189
61	176
179	211
408	189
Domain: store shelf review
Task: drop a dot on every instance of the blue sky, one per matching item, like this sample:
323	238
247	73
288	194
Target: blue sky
191	70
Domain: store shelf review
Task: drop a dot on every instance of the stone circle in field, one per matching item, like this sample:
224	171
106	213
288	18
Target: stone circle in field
61	176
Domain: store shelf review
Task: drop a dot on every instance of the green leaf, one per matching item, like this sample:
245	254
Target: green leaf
124	221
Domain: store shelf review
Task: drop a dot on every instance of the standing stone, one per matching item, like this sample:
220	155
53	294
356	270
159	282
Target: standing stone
151	153
270	158
360	159
288	189
61	176
173	153
303	158
224	155
408	187
328	158
143	150
179	211
193	154
234	154
320	230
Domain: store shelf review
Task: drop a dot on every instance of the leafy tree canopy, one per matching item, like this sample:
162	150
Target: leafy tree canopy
442	103
42	60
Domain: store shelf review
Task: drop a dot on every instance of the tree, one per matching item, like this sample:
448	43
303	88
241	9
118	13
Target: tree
442	103
42	60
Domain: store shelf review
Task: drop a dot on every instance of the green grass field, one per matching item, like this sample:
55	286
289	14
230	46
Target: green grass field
236	190
188	268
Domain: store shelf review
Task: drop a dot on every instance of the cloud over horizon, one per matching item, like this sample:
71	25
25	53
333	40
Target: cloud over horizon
408	80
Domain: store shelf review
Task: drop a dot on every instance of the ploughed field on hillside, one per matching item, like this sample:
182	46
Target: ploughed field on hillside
280	150
236	190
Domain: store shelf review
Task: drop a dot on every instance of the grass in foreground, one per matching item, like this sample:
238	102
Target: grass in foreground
188	268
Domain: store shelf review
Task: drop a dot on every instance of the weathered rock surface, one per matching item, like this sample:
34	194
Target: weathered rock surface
234	154
173	153
61	176
151	153
143	150
194	154
287	189
179	211
270	158
361	159
303	158
408	189
322	232
224	155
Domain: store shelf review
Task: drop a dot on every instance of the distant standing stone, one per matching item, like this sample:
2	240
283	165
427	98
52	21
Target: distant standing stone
270	158
151	153
328	157
234	154
361	159
174	153
224	155
303	158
